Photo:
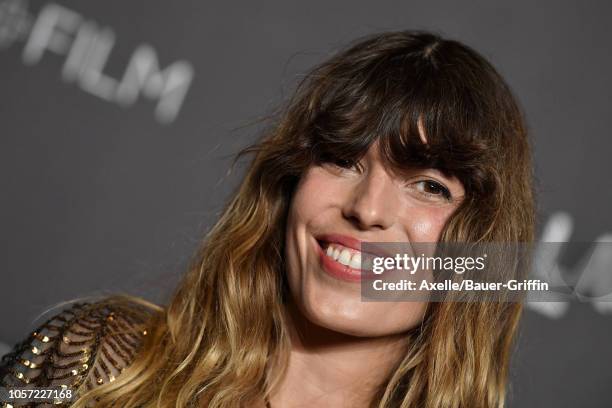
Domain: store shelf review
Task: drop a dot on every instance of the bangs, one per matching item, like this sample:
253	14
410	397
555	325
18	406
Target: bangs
385	101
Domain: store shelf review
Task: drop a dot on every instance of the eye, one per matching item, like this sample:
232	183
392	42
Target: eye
346	164
433	188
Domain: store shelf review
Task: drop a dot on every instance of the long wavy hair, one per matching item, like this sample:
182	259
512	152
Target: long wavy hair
218	338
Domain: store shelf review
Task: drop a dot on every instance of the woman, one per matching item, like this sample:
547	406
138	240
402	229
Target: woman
402	137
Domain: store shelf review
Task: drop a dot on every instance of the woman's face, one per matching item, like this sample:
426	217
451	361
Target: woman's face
362	203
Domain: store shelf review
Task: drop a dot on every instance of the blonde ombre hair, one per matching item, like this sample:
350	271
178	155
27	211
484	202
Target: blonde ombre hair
216	341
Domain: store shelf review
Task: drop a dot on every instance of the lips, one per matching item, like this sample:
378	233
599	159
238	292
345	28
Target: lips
337	269
354	243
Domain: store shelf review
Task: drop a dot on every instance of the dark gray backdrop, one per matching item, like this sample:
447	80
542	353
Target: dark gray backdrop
97	197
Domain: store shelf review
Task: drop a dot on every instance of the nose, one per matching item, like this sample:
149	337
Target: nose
373	202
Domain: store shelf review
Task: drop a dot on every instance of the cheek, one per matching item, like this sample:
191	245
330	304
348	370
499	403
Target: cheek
312	197
313	194
425	224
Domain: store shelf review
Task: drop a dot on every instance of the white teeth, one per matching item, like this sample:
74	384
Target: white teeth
355	261
336	254
345	257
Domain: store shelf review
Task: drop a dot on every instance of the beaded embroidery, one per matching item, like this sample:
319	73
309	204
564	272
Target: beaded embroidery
83	346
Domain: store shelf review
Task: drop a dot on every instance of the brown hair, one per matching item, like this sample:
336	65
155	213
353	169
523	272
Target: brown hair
223	327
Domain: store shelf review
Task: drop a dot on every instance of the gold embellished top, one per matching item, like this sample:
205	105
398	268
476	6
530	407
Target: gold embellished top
88	344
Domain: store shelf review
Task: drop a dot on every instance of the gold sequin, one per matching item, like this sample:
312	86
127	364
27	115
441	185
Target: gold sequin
82	349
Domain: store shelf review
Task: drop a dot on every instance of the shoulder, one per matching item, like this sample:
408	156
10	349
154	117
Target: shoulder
86	344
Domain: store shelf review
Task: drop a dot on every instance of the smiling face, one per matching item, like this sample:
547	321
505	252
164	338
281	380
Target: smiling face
349	203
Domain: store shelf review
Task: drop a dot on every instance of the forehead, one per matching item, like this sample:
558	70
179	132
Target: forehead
374	150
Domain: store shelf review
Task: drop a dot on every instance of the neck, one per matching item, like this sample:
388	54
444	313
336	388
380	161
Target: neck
331	369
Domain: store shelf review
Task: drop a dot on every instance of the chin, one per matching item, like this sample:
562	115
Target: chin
342	324
359	319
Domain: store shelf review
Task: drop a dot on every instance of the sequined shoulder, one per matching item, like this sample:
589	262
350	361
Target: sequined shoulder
83	346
